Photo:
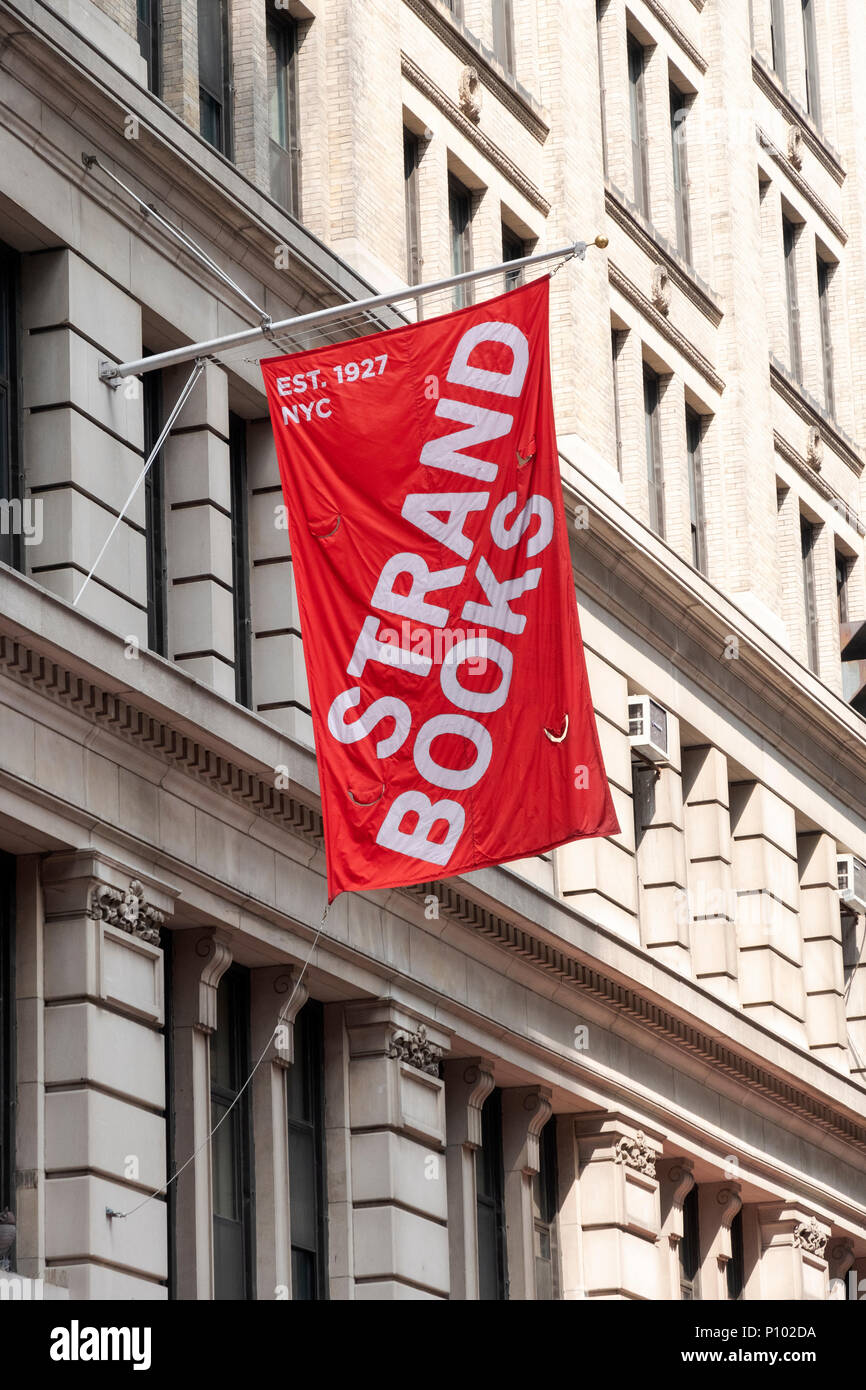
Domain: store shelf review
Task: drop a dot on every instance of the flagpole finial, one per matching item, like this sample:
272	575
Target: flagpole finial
601	241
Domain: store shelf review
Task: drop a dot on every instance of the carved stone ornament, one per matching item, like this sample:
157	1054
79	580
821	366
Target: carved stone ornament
416	1050
661	289
469	92
128	911
815	449
795	146
636	1153
809	1236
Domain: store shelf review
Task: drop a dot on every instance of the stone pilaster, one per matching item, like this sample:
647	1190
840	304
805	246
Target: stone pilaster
525	1111
398	1182
661	856
676	1180
200	961
711	903
821	924
793	1263
468	1082
718	1204
620	1207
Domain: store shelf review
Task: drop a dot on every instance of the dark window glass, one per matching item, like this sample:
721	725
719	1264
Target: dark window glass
231	1145
679	113
503	33
214	74
307	1188
10	471
690	1249
843	570
807	545
149	30
411	156
810	37
777	36
490	1185
638	124
460	215
513	249
617	338
825	272
154	508
241	561
694	433
655	478
282	35
735	1270
8	1089
545	1206
789	236
850	949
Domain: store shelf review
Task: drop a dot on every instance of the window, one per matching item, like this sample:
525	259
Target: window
503	33
545	1206
789	236
600	6
460	215
154	513
8	1088
807	547
512	250
149	30
735	1269
690	1249
306	1110
10	475
637	110
617	338
813	93
214	74
843	571
411	155
231	1146
825	273
651	397
694	434
850	949
679	112
240	561
777	37
490	1186
282	35
456	8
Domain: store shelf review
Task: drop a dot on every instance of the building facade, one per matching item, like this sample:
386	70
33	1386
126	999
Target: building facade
635	1067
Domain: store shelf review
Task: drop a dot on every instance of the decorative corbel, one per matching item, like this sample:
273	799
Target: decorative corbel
214	951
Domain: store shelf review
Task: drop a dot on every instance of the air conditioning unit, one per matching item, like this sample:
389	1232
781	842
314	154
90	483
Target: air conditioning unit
648	728
852	881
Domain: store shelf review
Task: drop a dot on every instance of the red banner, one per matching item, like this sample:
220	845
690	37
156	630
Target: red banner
450	703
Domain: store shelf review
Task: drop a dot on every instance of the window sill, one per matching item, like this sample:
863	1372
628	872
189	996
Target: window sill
651	241
775	91
815	415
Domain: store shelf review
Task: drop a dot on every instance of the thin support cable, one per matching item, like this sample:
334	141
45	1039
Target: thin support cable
91	160
166	429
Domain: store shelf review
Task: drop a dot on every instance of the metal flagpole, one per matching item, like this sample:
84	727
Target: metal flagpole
111	373
166	429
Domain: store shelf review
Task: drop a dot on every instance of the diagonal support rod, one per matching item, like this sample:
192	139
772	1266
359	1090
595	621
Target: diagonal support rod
166	430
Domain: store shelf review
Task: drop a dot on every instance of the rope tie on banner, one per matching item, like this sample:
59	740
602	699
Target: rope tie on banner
366	803
558	738
283	1014
166	429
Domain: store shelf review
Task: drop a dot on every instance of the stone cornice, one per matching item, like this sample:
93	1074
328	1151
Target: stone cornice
814	478
803	187
664	327
795	115
472	52
659	249
668	22
467	128
794	396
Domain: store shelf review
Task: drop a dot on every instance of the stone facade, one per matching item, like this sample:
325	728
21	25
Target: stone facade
633	1068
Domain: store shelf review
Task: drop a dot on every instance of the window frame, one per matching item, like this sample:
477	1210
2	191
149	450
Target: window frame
843	575
808	539
513	249
545	1210
219	94
284	168
689	1248
502	14
638	123
735	1270
411	195
825	270
154	513
11	471
682	206
795	346
617	342
8	1067
654	459
149	35
461	239
241	609
309	1054
695	426
490	1154
777	40
600	9
237	982
812	73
